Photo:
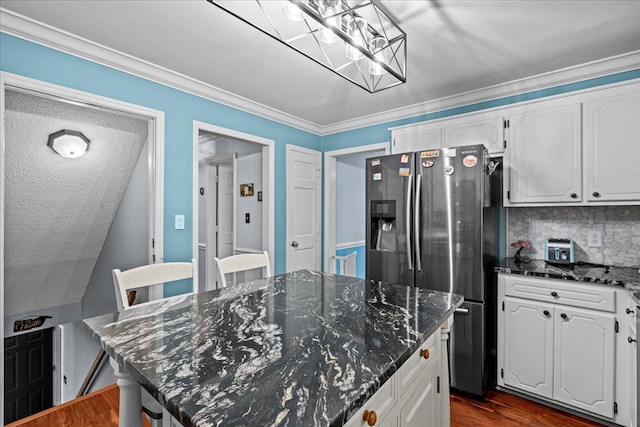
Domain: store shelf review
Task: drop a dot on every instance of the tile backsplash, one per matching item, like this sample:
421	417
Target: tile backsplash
620	226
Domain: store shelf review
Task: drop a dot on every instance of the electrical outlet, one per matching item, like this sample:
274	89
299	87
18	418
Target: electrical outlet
594	239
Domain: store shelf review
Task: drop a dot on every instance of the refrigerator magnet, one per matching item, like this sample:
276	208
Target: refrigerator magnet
450	152
470	161
377	176
404	158
375	162
404	171
427	163
429	154
448	170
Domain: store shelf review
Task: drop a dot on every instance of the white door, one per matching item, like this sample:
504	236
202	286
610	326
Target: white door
584	359
528	346
421	408
303	208
612	148
225	216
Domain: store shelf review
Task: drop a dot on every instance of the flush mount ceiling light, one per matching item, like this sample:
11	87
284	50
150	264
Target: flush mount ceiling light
69	143
355	39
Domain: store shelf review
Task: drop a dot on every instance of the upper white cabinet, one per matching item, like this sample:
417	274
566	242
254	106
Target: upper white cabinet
612	147
544	162
482	128
585	152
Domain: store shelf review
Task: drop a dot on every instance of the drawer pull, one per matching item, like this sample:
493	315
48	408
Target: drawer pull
546	313
564	316
631	340
554	294
629	311
596	194
370	417
424	353
574	196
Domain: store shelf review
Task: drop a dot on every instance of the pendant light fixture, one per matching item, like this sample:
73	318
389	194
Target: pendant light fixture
357	40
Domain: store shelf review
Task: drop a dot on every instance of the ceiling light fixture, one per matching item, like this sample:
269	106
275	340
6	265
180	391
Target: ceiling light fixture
372	48
69	143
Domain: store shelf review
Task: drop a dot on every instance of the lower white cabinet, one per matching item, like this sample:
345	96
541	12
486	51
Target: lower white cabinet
563	341
416	395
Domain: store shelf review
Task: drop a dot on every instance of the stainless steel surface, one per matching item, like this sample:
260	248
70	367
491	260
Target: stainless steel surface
416	222
408	220
467	344
454	220
389	190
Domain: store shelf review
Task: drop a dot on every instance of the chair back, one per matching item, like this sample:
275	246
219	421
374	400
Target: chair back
152	274
242	262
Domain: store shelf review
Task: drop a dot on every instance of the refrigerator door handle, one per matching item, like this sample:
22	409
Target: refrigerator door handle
416	222
462	310
408	220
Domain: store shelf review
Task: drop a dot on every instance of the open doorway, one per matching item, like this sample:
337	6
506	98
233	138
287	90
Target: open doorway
344	230
66	222
233	201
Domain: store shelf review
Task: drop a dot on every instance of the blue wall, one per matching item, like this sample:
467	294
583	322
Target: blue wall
181	109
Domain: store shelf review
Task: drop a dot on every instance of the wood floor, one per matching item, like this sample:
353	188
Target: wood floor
497	409
506	410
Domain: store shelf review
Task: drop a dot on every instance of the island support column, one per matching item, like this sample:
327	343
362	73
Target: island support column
130	408
445	408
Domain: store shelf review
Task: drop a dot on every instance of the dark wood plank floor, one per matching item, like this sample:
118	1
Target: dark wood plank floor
506	410
497	409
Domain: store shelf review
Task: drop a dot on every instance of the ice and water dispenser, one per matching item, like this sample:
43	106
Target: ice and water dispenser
383	225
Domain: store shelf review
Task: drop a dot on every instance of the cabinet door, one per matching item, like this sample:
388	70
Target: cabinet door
528	346
612	148
421	408
416	138
584	344
487	131
544	156
633	375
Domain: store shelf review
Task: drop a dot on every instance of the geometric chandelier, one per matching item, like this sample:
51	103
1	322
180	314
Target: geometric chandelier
355	39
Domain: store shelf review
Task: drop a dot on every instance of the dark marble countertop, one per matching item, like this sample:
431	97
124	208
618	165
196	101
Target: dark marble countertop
629	277
298	349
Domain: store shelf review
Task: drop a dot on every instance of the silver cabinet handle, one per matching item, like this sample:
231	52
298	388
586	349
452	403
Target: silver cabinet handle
416	222
408	220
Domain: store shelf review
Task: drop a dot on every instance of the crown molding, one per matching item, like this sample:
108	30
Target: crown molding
599	68
28	29
35	31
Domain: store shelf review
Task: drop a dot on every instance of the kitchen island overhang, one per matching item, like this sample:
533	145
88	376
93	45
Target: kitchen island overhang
303	348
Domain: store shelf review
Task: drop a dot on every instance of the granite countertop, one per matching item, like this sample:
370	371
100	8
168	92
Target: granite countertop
629	277
299	349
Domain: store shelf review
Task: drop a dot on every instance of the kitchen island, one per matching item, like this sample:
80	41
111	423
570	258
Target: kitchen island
298	349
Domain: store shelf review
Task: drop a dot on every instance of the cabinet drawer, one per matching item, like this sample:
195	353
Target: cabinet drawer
382	402
561	292
416	363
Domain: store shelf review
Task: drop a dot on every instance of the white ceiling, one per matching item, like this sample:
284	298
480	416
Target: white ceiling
453	47
58	211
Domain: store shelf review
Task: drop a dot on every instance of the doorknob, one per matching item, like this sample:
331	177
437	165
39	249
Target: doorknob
294	244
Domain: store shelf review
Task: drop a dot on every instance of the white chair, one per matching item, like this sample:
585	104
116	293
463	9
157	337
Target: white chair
144	277
242	262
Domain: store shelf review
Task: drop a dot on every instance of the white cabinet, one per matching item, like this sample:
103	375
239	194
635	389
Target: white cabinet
612	147
577	150
558	342
481	128
544	162
413	396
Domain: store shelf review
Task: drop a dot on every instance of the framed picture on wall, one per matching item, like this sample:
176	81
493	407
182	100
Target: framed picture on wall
246	190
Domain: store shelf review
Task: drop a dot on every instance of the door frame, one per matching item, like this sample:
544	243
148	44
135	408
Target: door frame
318	189
155	175
268	179
330	185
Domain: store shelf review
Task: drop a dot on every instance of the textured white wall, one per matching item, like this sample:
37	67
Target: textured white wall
620	226
58	211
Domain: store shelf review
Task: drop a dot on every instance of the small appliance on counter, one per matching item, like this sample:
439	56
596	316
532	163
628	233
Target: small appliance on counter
559	251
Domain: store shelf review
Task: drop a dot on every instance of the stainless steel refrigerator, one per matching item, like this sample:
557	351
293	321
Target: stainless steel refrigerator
432	222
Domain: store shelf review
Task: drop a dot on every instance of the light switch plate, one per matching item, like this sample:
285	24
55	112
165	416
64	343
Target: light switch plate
594	239
179	222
